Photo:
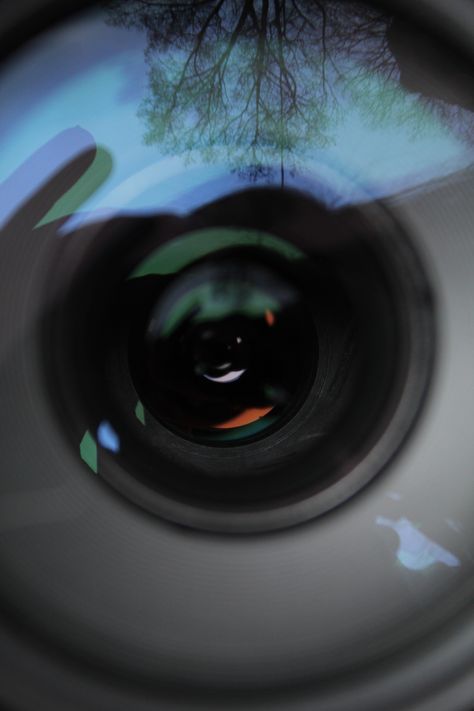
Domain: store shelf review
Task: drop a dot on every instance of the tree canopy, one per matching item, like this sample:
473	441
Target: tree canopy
256	82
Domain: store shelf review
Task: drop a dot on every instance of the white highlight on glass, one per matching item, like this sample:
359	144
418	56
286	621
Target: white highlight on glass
229	377
416	551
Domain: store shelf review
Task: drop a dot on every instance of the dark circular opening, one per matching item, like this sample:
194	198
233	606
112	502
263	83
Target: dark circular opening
244	361
226	352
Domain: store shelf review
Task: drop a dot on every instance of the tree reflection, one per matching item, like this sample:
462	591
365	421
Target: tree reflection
255	83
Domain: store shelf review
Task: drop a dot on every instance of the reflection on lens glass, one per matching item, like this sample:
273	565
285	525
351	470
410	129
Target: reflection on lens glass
229	345
218	313
233	242
186	103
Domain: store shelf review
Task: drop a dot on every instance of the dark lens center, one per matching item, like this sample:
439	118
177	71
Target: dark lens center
220	355
228	351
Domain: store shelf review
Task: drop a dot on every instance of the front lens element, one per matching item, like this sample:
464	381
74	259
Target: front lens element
226	350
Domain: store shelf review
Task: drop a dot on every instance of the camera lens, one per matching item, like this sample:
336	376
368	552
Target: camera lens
247	358
236	271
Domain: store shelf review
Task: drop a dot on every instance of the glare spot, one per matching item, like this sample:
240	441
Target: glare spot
230	377
415	550
107	437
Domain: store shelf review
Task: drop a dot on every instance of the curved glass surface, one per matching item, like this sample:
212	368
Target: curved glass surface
141	108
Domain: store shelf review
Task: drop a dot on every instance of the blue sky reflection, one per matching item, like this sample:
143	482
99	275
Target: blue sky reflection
415	550
101	91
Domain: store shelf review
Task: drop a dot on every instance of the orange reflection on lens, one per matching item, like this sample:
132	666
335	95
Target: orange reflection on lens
252	414
269	317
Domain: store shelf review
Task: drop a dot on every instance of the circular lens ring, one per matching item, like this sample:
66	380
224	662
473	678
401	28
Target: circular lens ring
214	495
